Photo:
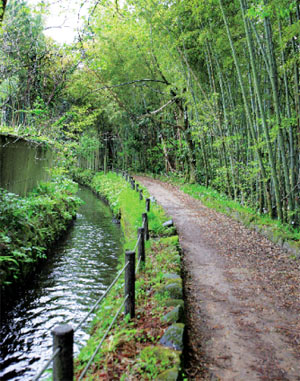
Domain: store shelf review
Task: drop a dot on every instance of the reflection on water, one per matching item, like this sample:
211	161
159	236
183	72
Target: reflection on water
81	267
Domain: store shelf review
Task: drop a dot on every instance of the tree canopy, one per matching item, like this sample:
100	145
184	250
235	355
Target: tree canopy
207	89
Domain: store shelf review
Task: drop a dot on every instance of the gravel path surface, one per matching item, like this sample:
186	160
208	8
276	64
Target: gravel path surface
242	294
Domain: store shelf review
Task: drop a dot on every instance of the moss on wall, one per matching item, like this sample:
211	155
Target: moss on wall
23	164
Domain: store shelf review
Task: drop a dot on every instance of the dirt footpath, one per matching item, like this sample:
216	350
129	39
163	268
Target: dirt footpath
242	293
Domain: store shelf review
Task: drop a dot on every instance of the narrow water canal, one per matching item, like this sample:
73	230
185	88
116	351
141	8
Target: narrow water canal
81	267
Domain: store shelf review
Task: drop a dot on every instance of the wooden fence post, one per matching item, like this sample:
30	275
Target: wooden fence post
130	283
141	246
63	368
141	194
145	218
147	204
137	187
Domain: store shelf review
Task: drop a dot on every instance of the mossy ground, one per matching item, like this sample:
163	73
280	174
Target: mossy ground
132	348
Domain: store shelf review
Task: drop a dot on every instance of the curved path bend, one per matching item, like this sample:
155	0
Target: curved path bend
242	295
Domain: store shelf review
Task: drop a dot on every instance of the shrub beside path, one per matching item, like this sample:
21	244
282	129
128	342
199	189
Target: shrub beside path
242	295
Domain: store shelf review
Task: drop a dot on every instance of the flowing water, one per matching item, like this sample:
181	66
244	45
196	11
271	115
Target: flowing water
81	267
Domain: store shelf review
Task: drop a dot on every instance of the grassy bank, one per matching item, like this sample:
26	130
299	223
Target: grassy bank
135	348
286	235
29	225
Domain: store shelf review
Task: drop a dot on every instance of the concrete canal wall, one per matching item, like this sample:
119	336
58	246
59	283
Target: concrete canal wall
23	164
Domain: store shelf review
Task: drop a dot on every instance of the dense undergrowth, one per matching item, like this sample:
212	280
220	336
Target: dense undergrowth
132	349
274	229
29	225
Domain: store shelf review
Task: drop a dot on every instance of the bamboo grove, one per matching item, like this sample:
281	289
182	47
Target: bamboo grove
206	89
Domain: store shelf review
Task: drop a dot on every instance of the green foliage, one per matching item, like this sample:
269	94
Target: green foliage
244	213
87	146
34	70
154	360
167	87
28	226
162	256
121	199
247	215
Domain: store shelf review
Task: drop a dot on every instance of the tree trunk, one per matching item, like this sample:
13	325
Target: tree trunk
262	114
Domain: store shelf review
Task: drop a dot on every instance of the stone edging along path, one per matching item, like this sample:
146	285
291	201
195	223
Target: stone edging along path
289	246
242	295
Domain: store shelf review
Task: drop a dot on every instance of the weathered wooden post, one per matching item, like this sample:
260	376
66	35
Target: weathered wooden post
145	218
141	194
147	204
137	187
132	184
130	283
63	337
141	246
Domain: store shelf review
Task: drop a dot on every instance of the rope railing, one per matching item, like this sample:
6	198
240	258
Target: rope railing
138	265
44	368
137	243
102	297
59	355
56	352
102	340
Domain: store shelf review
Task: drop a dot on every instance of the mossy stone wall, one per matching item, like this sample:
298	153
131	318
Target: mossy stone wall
23	164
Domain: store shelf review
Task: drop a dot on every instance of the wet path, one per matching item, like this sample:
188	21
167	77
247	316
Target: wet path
81	267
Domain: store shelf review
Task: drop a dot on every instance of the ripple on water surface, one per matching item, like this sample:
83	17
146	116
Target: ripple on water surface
80	268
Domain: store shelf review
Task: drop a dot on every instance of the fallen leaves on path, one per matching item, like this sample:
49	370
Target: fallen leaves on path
242	292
